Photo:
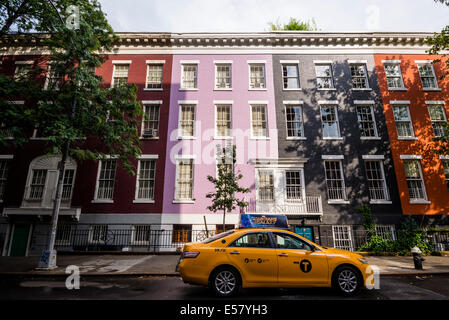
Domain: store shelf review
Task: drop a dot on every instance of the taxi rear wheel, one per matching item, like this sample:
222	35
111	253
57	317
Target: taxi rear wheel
225	282
347	280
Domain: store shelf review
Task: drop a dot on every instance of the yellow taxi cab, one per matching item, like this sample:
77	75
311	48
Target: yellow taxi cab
270	257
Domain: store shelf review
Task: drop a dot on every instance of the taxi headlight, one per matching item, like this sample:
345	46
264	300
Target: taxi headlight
362	260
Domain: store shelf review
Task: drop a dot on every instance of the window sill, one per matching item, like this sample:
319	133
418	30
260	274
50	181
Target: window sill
397	89
292	89
408	138
148	138
188	89
296	138
260	138
362	89
143	201
380	202
257	89
153	89
223	138
338	202
326	89
184	201
102	201
338	138
431	89
370	138
222	89
187	138
420	202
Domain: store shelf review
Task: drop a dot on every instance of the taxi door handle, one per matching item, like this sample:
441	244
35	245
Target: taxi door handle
283	255
234	252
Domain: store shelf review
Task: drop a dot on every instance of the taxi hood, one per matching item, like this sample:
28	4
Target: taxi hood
342	252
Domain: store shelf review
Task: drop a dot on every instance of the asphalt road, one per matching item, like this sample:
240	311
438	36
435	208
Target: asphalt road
172	288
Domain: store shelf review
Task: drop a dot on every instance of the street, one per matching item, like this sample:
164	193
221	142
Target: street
172	288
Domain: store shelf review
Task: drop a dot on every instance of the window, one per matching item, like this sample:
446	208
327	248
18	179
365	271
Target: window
182	233
63	235
377	185
184	180
98	234
394	75
189	76
259	123
54	78
22	71
293	185
367	124
223	121
37	185
256	76
67	184
403	122
427	76
329	121
154	76
334	180
151	121
120	75
106	179
141	234
286	241
446	171
266	186
438	118
342	237
295	125
290	76
187	120
252	240
145	179
219	228
386	231
324	76
223	79
414	179
4	165
359	76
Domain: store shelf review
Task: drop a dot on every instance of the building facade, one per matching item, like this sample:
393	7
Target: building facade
323	124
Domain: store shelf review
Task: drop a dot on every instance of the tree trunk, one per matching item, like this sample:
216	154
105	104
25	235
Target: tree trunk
224	219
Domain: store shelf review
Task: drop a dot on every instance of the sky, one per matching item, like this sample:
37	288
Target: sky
254	15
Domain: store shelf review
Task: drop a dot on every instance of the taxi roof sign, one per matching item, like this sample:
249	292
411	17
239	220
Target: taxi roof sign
263	221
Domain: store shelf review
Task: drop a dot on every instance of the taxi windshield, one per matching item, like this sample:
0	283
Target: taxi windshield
218	236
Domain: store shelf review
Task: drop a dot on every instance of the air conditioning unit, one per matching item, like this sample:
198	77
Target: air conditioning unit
150	133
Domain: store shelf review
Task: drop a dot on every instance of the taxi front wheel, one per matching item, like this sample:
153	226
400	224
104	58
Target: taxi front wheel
346	280
225	282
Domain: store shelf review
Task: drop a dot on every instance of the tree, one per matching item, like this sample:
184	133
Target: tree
293	24
226	183
74	108
439	43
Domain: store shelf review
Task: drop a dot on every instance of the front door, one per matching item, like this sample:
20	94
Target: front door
297	263
305	232
19	240
253	254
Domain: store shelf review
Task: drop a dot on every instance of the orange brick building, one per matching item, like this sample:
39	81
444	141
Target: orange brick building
416	103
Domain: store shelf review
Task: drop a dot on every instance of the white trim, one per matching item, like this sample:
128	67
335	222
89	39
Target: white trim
189	62
399	101
148	157
289	61
357	61
256	61
154	61
391	61
6	156
185	156
364	101
423	61
223	101
136	192
375	201
322	61
294	102
187	101
327	101
338	201
255	103
444	157
223	61
411	157
19	102
258	102
121	61
151	101
373	157
434	102
24	62
332	157
420	201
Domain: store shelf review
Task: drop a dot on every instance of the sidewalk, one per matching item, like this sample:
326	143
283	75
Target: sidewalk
164	265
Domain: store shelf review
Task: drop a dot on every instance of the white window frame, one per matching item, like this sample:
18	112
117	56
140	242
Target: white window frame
380	160
18	64
158	63
185	63
428	62
365	68
218	63
135	232
258	185
370	104
290	63
182	103
7	158
258	104
340	230
418	159
103	228
263	64
288	104
386	231
146	103
145	157
397	103
445	159
221	104
331	77
433	104
191	159
302	186
335	158
119	62
332	103
97	185
398	63
49	76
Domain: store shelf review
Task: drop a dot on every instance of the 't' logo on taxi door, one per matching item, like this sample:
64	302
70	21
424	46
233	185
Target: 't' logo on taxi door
305	266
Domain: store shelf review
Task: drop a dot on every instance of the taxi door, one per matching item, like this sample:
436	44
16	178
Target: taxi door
297	263
255	256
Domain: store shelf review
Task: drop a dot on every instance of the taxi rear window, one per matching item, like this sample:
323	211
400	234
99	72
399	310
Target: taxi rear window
218	236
